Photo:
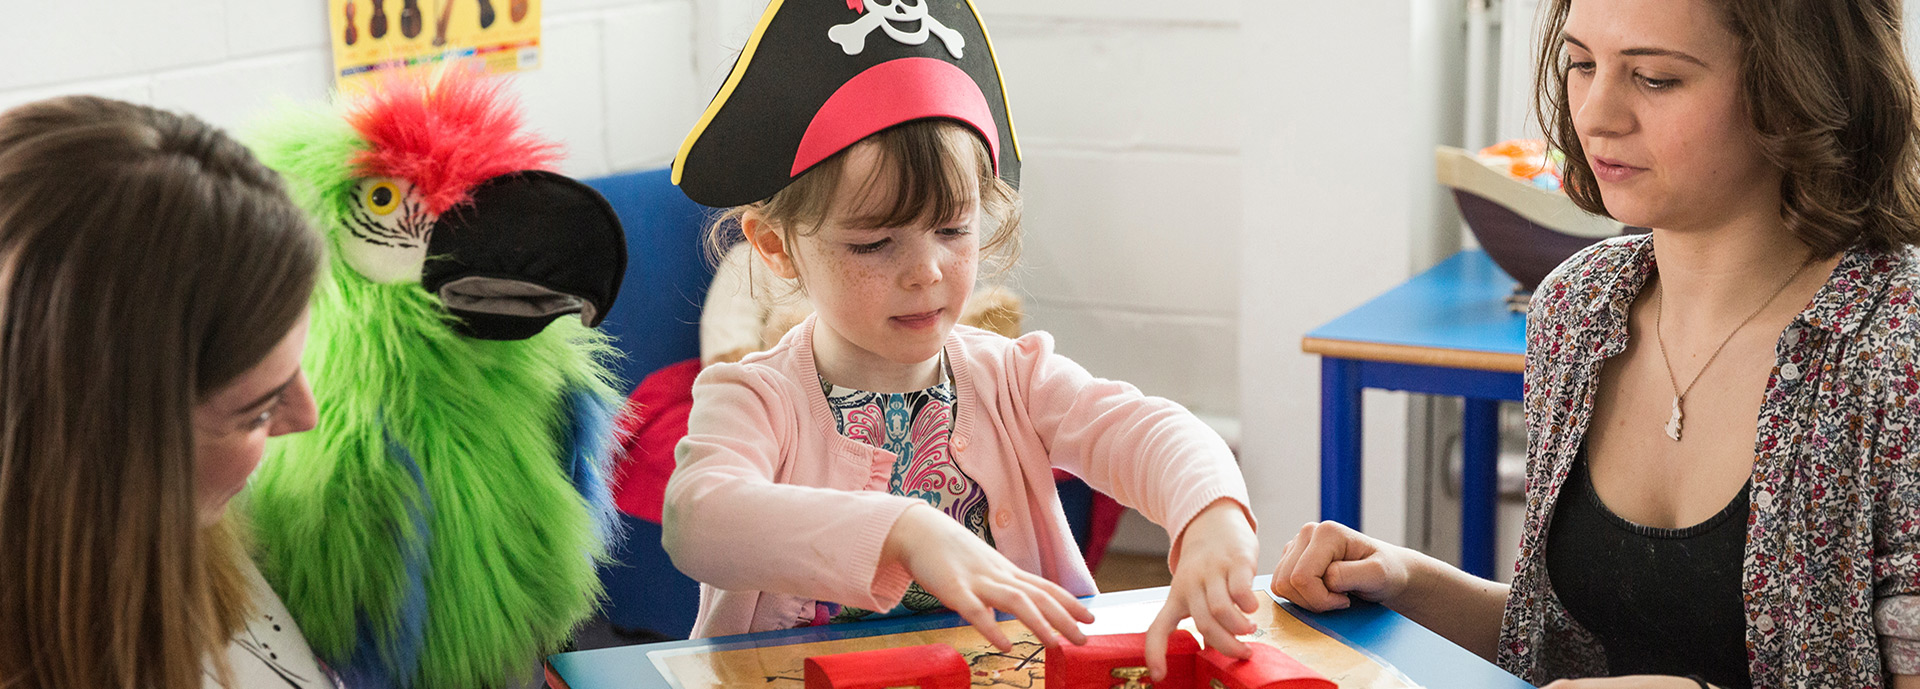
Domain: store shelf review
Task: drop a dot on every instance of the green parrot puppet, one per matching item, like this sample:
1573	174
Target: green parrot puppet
441	526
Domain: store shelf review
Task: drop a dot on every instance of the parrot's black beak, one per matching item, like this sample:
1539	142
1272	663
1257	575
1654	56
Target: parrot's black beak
532	246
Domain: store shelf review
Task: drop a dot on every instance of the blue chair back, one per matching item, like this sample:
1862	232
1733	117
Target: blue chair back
655	322
656	319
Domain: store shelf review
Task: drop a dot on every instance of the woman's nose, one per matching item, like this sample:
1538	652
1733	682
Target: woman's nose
298	411
1602	108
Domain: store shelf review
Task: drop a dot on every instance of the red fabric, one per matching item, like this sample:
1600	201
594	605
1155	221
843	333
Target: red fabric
446	135
1100	525
654	421
1094	664
933	666
857	6
1104	520
890	93
1269	668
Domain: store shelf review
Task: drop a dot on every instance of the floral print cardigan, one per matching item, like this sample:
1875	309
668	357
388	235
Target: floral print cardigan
1832	585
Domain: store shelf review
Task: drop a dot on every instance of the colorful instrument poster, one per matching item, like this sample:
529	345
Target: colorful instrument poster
781	667
376	37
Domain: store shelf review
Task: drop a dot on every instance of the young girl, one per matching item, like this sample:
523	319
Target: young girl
879	460
1721	414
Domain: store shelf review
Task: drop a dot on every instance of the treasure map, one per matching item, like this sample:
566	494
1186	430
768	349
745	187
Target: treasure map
781	667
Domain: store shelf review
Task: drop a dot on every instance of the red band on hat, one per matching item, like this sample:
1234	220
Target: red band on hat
894	92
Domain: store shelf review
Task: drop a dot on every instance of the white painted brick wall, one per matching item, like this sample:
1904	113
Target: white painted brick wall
1129	125
617	83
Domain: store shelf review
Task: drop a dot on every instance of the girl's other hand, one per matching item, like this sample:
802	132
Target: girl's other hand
1212	583
1326	562
974	580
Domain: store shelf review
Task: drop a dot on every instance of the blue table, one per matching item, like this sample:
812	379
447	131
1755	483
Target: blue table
1422	655
1446	331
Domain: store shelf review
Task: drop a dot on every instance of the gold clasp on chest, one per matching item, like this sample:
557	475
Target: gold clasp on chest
1132	675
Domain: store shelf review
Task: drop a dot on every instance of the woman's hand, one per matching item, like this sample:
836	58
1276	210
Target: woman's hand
1212	583
973	579
1327	562
1627	682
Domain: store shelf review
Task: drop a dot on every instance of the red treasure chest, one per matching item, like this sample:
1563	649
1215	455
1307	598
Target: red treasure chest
1268	668
1119	661
933	666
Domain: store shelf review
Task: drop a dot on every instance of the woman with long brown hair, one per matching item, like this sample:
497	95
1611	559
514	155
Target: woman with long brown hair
153	288
1721	414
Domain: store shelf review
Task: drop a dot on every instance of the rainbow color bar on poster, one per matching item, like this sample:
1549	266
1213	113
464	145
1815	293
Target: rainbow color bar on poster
371	37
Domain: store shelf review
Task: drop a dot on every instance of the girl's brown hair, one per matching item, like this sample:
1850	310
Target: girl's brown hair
929	181
146	261
1832	102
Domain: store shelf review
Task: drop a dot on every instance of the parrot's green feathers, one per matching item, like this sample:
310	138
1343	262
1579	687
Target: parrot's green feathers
433	497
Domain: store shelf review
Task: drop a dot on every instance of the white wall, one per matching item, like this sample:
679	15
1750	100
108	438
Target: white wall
618	83
1128	114
1331	160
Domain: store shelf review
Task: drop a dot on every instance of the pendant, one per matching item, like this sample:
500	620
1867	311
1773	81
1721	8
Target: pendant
1673	423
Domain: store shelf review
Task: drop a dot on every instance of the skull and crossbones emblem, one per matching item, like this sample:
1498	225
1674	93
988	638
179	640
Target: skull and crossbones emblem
885	15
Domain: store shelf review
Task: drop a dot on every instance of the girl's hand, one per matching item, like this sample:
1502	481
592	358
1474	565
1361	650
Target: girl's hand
973	579
1212	583
1627	682
1327	561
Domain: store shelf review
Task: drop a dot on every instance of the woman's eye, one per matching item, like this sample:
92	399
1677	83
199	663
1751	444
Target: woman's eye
868	247
1581	67
954	232
1653	84
265	417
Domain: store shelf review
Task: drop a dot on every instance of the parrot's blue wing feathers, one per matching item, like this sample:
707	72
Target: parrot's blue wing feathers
586	438
390	658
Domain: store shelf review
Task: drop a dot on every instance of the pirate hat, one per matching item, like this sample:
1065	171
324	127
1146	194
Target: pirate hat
820	75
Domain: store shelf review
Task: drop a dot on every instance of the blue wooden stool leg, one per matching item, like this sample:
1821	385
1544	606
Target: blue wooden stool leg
1479	485
1340	440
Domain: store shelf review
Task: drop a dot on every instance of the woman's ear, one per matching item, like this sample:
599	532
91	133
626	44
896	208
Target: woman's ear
769	244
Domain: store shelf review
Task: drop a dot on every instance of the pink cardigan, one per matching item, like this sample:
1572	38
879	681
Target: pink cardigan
773	509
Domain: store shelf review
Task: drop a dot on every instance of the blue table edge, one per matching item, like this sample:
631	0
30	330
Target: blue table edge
1421	655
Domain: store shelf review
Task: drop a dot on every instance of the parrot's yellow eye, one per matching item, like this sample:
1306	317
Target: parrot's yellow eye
383	198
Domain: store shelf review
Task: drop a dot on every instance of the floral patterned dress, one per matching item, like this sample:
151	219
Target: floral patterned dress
915	427
1831	582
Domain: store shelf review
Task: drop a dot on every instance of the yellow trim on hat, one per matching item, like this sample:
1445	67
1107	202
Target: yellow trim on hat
726	90
1006	105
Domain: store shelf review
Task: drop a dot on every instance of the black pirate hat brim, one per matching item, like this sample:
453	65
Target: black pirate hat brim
798	95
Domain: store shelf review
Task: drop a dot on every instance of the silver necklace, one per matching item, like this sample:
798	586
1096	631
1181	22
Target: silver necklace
1659	310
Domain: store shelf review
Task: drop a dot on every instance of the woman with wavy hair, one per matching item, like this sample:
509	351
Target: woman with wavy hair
1721	413
153	288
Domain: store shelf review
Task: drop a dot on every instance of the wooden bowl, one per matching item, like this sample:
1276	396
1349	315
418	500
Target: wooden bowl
1526	230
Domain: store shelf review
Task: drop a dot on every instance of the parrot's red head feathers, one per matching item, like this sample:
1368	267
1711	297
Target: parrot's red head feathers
446	134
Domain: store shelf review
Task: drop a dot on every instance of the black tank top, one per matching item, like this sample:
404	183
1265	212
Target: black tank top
1660	601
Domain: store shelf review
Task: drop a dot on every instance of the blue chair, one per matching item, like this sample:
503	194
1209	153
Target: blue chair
656	322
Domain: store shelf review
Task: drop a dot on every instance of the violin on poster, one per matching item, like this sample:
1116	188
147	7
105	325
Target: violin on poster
517	11
377	24
486	13
440	25
353	33
410	19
